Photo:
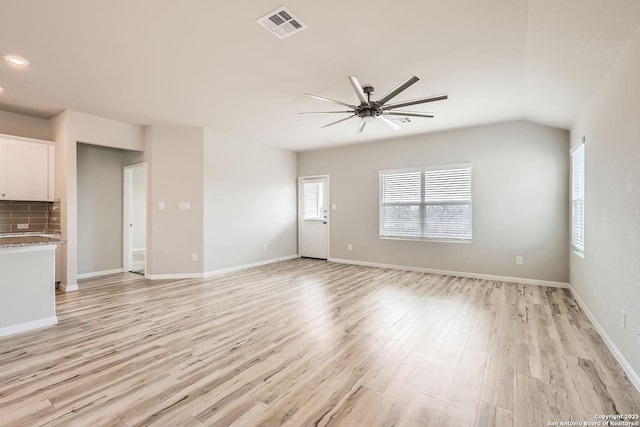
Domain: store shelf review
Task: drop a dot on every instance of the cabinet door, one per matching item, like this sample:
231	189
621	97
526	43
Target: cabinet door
27	171
3	170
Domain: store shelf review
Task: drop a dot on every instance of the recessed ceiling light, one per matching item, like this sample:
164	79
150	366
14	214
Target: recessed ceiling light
16	60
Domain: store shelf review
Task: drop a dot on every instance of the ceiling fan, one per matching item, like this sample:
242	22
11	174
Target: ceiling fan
369	110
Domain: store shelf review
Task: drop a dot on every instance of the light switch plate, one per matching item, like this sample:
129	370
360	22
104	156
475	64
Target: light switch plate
184	206
160	205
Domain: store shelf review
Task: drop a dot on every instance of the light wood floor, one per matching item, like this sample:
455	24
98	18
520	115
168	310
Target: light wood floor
306	342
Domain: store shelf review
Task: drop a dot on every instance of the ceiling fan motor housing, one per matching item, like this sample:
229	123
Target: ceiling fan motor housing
370	109
366	111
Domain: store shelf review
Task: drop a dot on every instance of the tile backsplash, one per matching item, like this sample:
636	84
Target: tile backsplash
36	215
54	215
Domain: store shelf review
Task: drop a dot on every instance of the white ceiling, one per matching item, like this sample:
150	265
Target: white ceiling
209	64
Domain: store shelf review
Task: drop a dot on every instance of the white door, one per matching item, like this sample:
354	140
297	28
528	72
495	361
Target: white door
135	218
313	217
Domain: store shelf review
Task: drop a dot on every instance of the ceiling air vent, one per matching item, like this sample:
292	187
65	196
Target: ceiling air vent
281	23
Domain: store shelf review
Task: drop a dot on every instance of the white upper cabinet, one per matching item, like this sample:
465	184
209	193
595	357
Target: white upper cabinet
3	170
26	169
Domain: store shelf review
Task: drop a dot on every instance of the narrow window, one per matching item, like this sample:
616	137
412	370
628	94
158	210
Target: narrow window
577	199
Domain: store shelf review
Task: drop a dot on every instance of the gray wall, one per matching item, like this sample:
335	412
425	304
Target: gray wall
174	156
250	201
26	126
520	199
607	279
242	197
100	207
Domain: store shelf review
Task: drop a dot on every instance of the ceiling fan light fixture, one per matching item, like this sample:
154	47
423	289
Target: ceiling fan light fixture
16	60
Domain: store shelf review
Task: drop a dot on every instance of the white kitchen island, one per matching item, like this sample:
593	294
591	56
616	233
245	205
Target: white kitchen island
27	283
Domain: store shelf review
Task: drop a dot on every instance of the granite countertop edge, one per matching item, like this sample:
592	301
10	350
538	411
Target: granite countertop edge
27	233
26	241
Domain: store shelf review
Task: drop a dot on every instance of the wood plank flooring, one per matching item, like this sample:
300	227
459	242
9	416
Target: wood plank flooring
310	343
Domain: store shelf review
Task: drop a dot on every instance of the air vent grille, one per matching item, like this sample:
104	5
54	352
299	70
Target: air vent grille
281	23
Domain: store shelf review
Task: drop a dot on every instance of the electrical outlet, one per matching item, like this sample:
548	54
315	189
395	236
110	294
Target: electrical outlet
160	205
194	257
349	247
519	260
623	321
23	226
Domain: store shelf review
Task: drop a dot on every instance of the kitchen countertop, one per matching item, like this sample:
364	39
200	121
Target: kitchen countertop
6	241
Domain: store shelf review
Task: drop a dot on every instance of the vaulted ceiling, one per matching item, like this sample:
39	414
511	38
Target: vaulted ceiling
209	64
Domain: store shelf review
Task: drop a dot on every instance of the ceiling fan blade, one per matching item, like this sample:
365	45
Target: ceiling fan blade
338	121
415	102
322	98
395	91
409	114
388	122
358	88
363	123
328	112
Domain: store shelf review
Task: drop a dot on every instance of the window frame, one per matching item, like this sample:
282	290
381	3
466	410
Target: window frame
575	244
422	205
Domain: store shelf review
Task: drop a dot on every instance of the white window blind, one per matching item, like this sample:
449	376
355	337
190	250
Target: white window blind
577	198
313	200
427	203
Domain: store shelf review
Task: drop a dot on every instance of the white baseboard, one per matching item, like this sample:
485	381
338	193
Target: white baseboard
524	281
100	273
27	326
217	272
173	276
245	266
633	375
68	288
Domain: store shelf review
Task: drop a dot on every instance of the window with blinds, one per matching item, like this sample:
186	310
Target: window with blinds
313	199
426	203
577	199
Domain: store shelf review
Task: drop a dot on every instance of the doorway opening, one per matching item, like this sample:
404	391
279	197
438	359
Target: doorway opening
135	218
313	216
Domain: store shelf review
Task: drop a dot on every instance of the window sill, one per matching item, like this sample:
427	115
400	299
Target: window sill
424	239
